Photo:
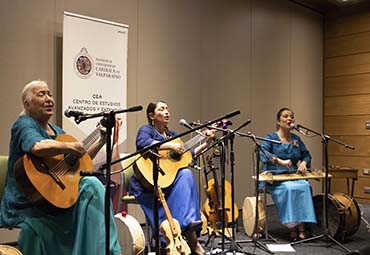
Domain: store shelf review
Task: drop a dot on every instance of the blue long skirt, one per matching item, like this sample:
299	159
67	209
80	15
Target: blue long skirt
181	197
79	230
293	200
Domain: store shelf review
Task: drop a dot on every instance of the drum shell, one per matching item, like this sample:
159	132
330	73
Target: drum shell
9	250
343	215
130	235
249	215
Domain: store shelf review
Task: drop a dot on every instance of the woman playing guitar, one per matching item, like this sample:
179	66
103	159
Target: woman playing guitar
181	195
77	230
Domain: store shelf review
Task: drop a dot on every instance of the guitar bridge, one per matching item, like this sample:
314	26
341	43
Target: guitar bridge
53	175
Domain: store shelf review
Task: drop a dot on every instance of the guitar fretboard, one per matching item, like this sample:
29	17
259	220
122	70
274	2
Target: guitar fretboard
194	141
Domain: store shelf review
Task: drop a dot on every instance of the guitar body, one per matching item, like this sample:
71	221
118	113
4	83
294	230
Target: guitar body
33	176
171	231
169	162
176	245
211	207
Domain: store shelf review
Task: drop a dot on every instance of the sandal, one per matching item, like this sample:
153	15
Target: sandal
301	231
293	235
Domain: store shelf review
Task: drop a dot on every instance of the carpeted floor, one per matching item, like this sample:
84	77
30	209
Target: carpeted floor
358	242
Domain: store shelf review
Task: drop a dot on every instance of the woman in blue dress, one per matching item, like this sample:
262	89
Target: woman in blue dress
182	195
293	199
78	230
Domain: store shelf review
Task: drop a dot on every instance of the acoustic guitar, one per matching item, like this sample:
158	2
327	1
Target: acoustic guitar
212	208
54	179
170	163
172	232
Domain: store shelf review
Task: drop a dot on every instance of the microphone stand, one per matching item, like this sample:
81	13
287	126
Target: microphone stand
232	133
229	134
325	235
153	148
108	122
255	235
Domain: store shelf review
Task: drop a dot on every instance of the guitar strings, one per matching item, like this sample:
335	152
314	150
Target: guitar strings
63	166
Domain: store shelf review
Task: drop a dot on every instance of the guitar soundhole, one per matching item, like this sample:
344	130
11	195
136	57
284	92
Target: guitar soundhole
175	156
71	160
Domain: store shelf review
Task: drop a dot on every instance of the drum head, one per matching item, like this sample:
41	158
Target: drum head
343	215
333	215
9	250
249	215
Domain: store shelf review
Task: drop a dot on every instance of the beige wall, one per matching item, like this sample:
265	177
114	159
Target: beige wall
205	58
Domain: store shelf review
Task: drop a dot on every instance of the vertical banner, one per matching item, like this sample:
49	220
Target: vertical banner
94	73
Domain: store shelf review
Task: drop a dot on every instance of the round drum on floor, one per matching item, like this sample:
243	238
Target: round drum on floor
130	234
249	215
344	216
9	250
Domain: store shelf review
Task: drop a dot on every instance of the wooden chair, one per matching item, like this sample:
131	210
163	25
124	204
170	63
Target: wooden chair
7	236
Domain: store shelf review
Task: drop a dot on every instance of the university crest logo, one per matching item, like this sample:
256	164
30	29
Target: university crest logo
83	64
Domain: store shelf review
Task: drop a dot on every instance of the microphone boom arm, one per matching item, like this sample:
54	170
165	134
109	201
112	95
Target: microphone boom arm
158	144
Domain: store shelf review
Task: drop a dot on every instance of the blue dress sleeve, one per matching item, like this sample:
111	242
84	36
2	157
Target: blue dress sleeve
28	133
144	137
266	150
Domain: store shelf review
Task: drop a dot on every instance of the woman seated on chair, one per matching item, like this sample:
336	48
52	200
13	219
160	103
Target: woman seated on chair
293	199
78	230
181	195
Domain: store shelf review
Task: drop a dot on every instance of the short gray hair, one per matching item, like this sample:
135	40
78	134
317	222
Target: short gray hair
27	93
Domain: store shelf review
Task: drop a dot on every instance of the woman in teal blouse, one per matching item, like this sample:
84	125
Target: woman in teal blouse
293	199
78	230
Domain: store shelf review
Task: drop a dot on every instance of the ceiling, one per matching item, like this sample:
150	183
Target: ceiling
325	6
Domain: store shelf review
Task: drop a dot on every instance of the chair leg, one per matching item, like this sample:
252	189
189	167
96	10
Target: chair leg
265	208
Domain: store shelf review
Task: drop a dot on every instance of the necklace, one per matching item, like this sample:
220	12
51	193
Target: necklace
163	135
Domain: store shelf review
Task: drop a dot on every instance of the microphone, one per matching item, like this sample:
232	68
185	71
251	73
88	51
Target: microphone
296	127
71	113
184	123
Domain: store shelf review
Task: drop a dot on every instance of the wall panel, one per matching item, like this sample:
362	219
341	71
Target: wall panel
346	125
347	45
347	85
347	93
347	105
347	65
359	162
347	24
361	144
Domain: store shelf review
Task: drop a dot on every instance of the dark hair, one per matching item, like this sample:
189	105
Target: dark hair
151	108
279	113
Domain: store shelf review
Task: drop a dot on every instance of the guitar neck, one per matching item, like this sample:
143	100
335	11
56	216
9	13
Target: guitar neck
194	141
91	139
167	211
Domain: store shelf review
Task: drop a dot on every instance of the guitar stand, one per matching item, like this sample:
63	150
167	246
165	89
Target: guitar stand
211	238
